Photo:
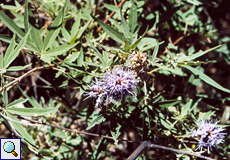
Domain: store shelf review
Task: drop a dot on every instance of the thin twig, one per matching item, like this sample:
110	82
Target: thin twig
75	131
111	14
177	151
148	144
32	71
138	150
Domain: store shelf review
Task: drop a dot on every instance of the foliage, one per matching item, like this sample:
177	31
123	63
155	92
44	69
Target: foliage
61	73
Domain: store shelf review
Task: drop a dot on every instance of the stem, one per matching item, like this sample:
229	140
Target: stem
32	71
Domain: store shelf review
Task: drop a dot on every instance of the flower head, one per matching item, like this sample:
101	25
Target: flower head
116	84
210	135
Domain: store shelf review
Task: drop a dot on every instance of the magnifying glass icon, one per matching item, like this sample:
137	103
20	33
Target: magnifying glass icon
9	147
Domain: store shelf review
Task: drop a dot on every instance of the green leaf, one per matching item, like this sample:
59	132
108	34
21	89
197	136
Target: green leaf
18	68
114	34
60	49
177	71
11	25
35	35
96	121
31	99
12	54
5	98
196	55
116	24
106	57
65	34
31	111
20	129
75	28
46	58
26	17
5	38
126	29
136	42
206	115
154	55
185	109
82	29
132	16
166	125
169	103
55	28
16	102
112	7
80	58
9	50
206	78
97	53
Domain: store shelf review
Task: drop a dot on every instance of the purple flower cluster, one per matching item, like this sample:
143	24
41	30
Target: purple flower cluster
210	135
114	85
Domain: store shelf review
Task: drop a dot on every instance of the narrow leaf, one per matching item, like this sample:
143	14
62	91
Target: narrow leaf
75	26
55	28
97	53
82	29
114	34
196	55
35	34
9	50
96	121
132	16
18	68
5	38
16	102
31	111
126	28
20	129
206	78
31	99
46	58
155	52
11	25
26	16
10	56
60	49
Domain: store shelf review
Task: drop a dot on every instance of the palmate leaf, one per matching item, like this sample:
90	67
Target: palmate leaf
206	78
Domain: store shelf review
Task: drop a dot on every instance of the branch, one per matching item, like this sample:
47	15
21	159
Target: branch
32	71
148	144
70	130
